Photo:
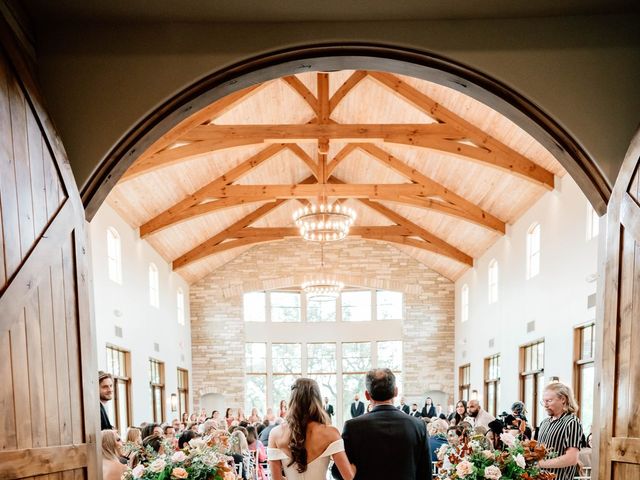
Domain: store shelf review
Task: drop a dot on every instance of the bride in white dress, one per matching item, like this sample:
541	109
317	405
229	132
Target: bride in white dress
303	445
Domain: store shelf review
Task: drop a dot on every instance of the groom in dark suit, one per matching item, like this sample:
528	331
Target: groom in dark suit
386	443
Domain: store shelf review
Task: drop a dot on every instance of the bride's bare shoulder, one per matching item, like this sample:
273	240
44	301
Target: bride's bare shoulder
328	432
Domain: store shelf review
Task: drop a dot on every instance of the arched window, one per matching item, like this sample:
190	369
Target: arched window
533	250
180	306
154	294
114	255
464	303
493	281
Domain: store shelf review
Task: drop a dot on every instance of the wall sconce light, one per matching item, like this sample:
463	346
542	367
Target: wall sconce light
174	402
554	379
474	395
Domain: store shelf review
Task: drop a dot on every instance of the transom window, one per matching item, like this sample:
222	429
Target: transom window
464	303
493	281
114	255
533	251
154	287
285	306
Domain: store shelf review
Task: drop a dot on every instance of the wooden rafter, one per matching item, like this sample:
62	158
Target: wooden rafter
302	90
355	231
497	153
223	247
454	204
212	245
306	158
345	88
340	156
190	206
352	190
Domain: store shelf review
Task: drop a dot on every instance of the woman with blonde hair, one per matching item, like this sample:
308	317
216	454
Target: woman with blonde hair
239	450
134	435
112	469
304	444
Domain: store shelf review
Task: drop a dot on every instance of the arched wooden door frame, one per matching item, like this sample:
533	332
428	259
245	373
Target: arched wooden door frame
350	55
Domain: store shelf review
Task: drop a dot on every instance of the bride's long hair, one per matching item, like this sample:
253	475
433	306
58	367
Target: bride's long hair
305	406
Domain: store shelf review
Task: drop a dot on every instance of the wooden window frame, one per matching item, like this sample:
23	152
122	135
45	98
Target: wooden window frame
491	380
184	389
579	362
464	386
155	386
536	374
118	379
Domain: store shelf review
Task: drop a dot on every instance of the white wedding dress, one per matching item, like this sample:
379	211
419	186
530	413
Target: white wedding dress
316	470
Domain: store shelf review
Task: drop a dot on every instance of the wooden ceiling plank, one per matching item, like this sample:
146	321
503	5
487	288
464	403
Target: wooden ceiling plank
306	158
404	240
178	212
345	88
302	90
503	155
299	190
231	244
208	247
472	211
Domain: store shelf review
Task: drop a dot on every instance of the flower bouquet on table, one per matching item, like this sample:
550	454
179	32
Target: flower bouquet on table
201	459
471	460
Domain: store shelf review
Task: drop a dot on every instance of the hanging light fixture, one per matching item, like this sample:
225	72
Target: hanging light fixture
324	288
324	222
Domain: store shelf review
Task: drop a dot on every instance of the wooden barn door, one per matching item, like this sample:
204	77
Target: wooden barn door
619	453
48	378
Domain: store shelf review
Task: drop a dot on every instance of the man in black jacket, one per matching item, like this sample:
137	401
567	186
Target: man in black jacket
105	382
386	443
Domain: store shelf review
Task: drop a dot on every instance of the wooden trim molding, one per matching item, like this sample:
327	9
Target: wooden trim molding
29	462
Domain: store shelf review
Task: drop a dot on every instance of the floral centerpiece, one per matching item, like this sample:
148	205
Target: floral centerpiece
201	459
471	460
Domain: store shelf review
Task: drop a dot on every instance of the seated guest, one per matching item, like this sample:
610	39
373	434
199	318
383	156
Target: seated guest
440	412
240	416
456	434
112	469
254	417
151	429
264	436
477	416
186	437
134	438
437	436
429	409
460	414
228	416
414	411
255	445
155	442
239	450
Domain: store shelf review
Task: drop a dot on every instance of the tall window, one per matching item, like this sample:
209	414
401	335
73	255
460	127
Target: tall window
154	287
583	373
492	384
255	388
356	306
493	281
180	306
254	306
390	356
114	255
321	310
532	378
356	361
183	391
285	306
464	303
533	250
321	366
593	222
156	382
389	305
287	366
119	365
464	382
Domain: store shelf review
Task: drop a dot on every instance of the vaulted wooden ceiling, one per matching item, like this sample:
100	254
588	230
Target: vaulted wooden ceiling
428	169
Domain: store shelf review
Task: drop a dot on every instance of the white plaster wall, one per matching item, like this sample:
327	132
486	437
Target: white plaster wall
127	306
556	298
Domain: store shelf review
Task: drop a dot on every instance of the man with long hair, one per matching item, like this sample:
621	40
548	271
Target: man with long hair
386	443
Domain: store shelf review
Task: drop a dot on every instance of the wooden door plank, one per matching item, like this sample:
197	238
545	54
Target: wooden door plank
49	359
35	372
38	461
19	370
52	183
36	164
3	273
22	169
75	380
8	193
8	440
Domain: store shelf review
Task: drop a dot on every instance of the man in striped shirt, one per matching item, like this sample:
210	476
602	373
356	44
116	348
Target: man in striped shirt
561	431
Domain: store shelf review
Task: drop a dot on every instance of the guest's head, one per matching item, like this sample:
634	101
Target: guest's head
134	435
222	424
254	412
228	413
238	443
414	407
185	417
150	429
169	432
283	404
266	422
356	397
215	415
461	408
186	437
252	434
558	399
381	385
111	445
193	418
155	442
175	423
438	426
243	423
259	428
105	382
240	413
473	408
428	402
480	430
518	409
455	434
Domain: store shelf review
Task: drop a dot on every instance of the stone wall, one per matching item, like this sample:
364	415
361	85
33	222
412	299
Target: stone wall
217	326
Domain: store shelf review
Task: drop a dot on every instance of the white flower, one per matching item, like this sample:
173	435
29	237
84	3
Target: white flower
138	471
464	468
178	457
157	465
492	473
488	454
197	443
508	439
475	444
442	451
520	461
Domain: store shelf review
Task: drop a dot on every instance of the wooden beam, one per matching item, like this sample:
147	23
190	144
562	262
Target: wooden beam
345	88
352	190
312	131
458	206
408	241
497	153
182	210
209	247
323	98
439	245
302	90
306	158
340	156
223	247
394	230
